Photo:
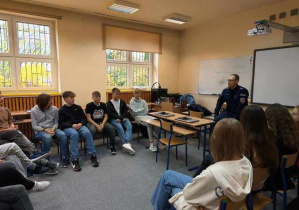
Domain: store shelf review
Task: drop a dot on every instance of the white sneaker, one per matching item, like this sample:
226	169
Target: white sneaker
132	150
152	147
128	148
40	186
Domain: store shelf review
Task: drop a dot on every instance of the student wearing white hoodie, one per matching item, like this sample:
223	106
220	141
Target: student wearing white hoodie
139	109
230	176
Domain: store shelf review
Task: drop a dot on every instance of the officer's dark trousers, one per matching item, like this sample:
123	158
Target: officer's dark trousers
224	114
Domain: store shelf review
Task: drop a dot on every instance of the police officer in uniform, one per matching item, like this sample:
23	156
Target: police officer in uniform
236	98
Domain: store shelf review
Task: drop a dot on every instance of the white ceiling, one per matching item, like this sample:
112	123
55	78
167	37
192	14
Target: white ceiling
153	11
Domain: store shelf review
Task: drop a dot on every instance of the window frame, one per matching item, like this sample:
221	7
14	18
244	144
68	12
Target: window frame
143	66
10	36
130	64
12	68
34	21
14	57
120	62
54	73
143	63
121	65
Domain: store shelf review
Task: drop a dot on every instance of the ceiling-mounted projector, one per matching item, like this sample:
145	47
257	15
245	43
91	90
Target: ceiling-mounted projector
261	29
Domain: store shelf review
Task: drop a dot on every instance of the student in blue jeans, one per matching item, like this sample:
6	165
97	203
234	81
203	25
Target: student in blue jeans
44	120
72	121
230	175
117	112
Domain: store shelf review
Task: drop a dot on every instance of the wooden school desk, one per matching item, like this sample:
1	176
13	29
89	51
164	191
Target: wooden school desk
197	126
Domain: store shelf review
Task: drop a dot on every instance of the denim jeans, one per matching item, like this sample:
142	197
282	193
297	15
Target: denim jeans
170	183
47	138
124	130
73	135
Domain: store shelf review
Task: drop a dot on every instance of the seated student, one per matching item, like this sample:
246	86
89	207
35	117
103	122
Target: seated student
14	197
258	140
96	114
10	133
295	115
230	175
9	176
117	113
44	120
282	127
138	109
72	121
12	152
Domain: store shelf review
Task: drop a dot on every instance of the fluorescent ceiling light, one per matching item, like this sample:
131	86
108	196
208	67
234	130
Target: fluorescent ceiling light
177	18
124	6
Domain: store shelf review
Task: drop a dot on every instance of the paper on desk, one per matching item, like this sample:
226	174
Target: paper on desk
147	118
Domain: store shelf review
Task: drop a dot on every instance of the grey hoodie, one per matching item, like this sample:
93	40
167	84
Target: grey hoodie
44	119
138	107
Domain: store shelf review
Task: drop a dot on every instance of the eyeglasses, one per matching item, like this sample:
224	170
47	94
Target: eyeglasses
231	80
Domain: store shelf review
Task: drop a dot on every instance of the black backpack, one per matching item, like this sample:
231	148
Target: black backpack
199	108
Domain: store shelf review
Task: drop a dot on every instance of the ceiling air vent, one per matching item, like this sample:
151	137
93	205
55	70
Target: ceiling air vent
123	6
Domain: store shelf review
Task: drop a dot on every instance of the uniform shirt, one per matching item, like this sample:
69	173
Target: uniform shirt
97	112
5	116
235	99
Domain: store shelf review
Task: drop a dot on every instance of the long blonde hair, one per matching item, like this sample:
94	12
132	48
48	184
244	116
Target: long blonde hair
227	140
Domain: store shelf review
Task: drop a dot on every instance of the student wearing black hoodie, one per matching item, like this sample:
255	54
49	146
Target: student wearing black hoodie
117	112
72	121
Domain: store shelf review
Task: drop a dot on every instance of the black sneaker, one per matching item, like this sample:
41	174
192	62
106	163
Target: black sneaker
113	151
65	163
94	161
75	165
38	170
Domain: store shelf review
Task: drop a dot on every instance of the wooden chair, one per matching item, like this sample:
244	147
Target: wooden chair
83	141
166	106
195	114
258	201
226	203
287	162
200	115
170	141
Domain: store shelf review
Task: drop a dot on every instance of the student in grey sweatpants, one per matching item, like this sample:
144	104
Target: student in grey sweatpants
139	110
12	152
17	137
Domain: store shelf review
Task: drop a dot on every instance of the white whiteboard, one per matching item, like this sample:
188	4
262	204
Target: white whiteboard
276	76
213	74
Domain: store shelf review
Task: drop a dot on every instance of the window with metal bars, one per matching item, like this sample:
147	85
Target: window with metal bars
128	69
27	54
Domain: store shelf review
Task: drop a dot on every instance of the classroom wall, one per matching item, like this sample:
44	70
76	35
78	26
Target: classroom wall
226	38
82	62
